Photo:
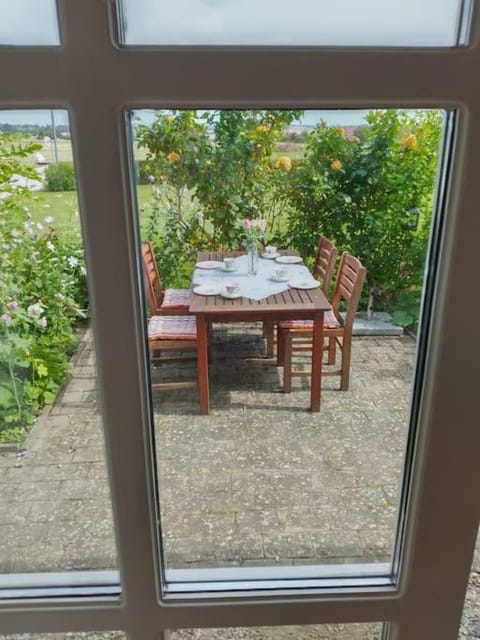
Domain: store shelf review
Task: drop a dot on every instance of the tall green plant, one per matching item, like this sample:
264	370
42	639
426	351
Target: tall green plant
42	288
208	172
236	180
363	193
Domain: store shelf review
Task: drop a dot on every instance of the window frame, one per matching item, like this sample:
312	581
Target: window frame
87	69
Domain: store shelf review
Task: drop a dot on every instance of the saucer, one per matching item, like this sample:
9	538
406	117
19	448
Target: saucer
304	284
206	290
289	259
230	296
209	264
235	268
270	256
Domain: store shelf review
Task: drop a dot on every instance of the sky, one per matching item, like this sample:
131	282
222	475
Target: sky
262	22
351	117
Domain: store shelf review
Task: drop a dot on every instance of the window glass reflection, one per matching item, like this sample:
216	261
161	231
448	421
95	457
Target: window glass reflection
346	23
29	22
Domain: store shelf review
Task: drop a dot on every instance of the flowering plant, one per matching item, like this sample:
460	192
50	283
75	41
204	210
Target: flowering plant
253	231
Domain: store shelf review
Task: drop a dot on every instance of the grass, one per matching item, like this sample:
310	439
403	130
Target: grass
62	206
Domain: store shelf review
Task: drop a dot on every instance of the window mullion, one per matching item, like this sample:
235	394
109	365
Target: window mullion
99	149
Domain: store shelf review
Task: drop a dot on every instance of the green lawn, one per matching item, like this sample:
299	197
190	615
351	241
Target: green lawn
62	206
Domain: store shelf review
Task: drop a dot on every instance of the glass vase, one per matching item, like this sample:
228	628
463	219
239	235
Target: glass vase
252	261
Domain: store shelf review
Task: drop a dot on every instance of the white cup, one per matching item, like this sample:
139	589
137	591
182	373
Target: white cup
281	273
232	288
229	264
270	250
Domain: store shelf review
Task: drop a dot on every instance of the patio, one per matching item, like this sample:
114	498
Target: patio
259	481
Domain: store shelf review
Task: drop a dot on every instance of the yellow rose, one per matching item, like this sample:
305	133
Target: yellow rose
341	131
173	156
336	165
284	163
262	128
410	141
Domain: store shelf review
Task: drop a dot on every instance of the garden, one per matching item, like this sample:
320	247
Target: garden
200	174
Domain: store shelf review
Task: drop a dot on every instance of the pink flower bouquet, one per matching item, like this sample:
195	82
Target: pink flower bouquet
253	231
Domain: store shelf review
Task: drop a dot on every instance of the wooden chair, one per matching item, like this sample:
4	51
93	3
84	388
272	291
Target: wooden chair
296	335
172	333
325	263
162	301
169	326
322	270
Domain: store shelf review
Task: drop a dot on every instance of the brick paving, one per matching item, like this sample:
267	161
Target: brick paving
260	481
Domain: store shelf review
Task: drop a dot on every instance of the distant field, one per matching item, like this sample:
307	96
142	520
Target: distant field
64	150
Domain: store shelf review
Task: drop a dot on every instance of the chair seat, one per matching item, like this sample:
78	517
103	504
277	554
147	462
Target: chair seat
172	328
329	322
177	298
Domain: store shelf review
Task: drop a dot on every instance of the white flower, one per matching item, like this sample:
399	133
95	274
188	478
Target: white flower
39	226
47	206
49	219
50	246
42	322
83	271
6	246
15	233
72	262
35	310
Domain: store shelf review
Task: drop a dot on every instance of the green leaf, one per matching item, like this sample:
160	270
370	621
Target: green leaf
6	396
41	370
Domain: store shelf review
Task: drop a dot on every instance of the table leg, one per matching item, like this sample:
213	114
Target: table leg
202	364
317	356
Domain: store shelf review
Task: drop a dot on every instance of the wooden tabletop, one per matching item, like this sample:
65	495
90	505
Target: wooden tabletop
295	304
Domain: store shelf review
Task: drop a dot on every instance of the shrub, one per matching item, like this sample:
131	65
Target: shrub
60	177
42	291
361	193
210	172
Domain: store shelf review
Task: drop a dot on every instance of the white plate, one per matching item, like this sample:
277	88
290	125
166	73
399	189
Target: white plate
206	290
304	284
231	296
209	264
270	256
289	259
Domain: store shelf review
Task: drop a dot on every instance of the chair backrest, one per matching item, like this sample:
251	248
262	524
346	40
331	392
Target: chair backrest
348	287
325	263
153	283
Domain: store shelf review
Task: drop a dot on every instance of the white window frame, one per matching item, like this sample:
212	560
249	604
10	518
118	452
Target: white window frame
98	81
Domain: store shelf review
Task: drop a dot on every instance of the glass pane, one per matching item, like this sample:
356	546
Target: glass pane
304	632
269	22
29	22
55	511
262	480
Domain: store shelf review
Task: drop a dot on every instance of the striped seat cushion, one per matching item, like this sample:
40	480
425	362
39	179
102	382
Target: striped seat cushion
177	298
172	328
329	322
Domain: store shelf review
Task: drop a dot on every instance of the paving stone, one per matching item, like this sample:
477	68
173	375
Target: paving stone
259	481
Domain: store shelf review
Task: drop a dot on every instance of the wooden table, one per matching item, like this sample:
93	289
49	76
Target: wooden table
292	304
